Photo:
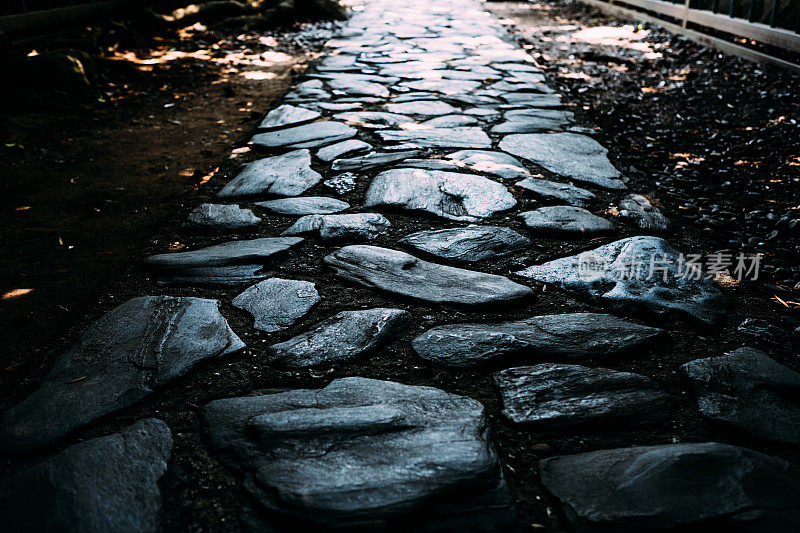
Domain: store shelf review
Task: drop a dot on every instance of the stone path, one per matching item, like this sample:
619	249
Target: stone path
452	159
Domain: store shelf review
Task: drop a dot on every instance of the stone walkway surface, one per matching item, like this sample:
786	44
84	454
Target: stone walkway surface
439	134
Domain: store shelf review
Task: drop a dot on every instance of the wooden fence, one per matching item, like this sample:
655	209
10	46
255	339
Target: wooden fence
773	23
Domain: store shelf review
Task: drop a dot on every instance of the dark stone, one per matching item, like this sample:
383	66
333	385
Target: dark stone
763	334
104	484
306	136
287	115
473	243
465	137
576	156
451	121
555	192
305	205
373	160
610	275
403	274
495	163
373	119
566	221
340	338
351	146
229	263
219	217
355	227
557	395
132	350
422	107
284	175
277	303
364	454
533	120
641	213
711	486
568	336
463	197
749	391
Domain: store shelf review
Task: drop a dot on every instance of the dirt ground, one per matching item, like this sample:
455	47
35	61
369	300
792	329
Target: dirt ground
85	186
106	147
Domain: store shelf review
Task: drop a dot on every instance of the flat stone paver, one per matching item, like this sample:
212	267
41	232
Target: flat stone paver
473	243
364	452
570	336
284	175
340	338
277	303
104	484
553	394
749	391
636	275
676	485
463	197
133	349
403	274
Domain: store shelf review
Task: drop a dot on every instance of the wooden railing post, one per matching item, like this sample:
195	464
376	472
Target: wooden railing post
687	7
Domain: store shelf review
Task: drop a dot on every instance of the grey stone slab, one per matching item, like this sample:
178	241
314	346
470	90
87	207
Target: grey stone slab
432	164
494	163
572	336
473	243
400	273
229	263
451	121
220	217
277	303
749	391
763	334
287	115
566	221
289	174
517	67
373	160
349	147
576	156
710	486
305	205
555	192
358	88
638	210
533	120
104	484
553	394
465	137
364	454
616	275
506	86
425	108
443	86
355	227
120	359
373	119
532	100
340	106
464	197
341	338
483	112
306	136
